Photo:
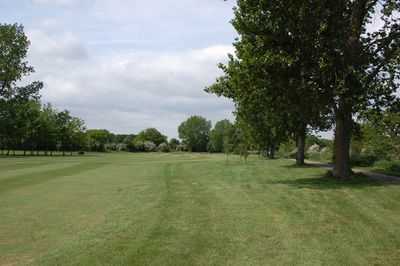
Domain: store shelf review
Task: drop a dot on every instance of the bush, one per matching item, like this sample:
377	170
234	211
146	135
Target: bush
138	146
363	159
324	155
149	146
181	147
81	153
163	147
391	167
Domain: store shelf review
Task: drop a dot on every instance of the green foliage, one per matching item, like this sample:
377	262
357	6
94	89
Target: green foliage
321	142
387	167
220	136
151	134
173	144
14	46
195	133
163	147
291	71
25	124
98	139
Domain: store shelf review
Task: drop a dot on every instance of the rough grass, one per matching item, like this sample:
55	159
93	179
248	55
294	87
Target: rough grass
191	209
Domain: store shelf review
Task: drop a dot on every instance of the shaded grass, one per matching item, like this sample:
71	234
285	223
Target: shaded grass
191	209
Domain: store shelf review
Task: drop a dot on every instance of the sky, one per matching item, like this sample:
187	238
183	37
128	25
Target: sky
127	65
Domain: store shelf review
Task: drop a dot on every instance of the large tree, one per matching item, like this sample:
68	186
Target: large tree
14	98
14	46
360	66
271	77
290	55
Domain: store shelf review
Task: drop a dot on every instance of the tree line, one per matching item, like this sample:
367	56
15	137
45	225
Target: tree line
26	124
302	66
34	128
196	134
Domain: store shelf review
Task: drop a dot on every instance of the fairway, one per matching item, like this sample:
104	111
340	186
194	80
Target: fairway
190	209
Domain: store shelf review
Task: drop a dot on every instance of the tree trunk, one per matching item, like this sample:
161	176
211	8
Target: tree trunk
342	168
301	145
271	153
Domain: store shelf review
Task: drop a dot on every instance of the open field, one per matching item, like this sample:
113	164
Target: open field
190	209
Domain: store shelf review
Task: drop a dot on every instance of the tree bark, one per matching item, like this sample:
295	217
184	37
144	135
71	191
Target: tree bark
344	123
301	145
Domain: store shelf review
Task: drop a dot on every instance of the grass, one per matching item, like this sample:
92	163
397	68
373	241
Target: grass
191	209
390	168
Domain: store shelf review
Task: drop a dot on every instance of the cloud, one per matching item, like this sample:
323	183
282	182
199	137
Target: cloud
55	2
62	48
127	91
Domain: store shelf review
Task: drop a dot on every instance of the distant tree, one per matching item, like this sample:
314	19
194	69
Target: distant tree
98	139
47	130
78	139
221	133
163	147
151	134
173	144
149	146
28	118
195	133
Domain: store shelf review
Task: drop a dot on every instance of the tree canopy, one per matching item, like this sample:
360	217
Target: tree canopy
195	133
291	71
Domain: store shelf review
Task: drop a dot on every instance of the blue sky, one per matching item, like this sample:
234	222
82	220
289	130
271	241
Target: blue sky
126	65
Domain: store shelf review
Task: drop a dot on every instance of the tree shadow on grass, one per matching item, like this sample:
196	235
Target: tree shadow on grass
326	182
309	165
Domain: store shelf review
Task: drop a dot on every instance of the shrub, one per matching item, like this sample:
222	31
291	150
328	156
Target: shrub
149	146
173	144
138	146
163	147
392	167
181	147
363	159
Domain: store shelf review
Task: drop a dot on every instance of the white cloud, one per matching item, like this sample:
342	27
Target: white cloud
63	48
128	91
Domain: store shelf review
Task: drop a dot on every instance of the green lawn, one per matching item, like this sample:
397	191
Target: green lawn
190	209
